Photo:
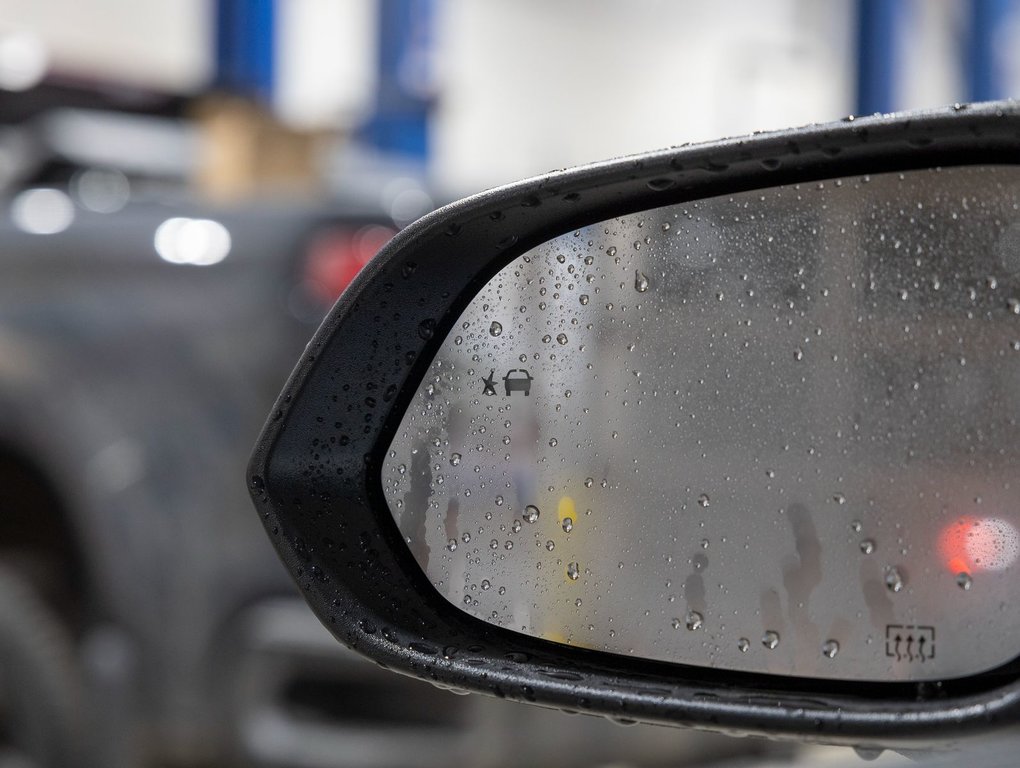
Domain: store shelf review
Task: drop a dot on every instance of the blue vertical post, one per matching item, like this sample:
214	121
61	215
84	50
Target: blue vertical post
880	27
245	47
985	68
400	122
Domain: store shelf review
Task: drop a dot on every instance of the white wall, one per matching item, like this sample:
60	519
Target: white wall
326	61
162	44
531	85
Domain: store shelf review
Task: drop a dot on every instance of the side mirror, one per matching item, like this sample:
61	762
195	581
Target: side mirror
722	436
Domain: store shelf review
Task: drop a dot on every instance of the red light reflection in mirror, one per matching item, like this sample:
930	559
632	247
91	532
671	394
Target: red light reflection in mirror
972	544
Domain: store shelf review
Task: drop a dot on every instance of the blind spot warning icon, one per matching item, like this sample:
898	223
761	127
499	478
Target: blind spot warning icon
520	383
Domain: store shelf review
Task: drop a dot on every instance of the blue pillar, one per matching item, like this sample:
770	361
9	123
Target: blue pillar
400	123
245	47
985	73
880	32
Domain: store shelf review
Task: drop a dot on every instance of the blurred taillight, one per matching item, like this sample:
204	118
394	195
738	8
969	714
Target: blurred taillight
336	256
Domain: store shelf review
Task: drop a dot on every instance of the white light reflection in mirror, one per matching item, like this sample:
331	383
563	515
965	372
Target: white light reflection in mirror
773	432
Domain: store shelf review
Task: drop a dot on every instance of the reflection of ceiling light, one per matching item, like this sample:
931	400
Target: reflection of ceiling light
201	242
23	61
42	211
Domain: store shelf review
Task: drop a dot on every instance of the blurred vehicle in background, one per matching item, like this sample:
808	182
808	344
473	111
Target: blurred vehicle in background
144	618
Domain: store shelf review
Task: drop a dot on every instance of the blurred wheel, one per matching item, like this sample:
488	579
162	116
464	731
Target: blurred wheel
40	691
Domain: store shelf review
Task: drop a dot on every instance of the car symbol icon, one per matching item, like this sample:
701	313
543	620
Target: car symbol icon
518	383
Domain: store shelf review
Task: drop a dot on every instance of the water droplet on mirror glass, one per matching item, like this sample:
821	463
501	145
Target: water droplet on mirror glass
693	620
550	545
743	644
893	580
452	545
495	329
455	459
589	482
867	546
770	639
583	299
830	648
531	513
562	338
568	525
964	581
640	282
703	500
573	571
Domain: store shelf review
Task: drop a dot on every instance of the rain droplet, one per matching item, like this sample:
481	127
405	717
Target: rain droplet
770	639
640	282
830	648
568	525
515	526
452	545
486	585
495	329
743	644
561	338
893	580
693	620
550	545
964	581
455	459
611	251
426	328
867	546
589	482
1014	306
703	500
583	298
499	501
798	354
531	513
839	498
573	571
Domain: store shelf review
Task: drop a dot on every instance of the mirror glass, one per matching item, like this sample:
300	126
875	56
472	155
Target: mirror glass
774	431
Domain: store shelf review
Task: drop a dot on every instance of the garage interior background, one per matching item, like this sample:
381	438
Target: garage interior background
471	94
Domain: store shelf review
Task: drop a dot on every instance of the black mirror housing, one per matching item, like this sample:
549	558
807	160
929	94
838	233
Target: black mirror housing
315	475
